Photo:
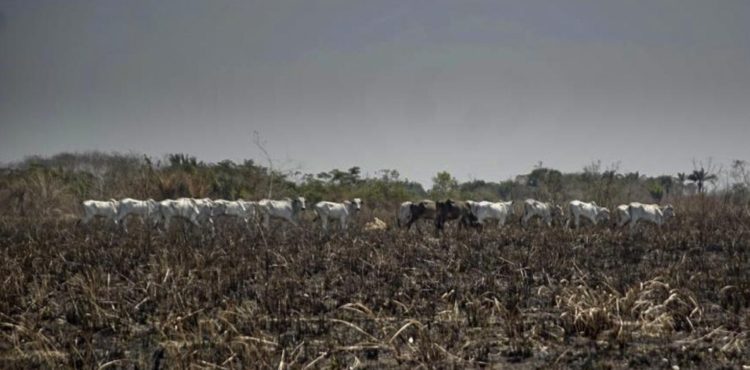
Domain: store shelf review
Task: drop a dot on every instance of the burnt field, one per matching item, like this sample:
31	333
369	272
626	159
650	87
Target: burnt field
531	298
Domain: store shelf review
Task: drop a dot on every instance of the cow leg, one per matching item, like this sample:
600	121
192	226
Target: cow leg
439	225
212	226
342	220
167	221
480	225
266	221
324	223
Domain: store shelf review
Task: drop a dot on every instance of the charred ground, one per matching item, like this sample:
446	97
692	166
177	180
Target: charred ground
76	297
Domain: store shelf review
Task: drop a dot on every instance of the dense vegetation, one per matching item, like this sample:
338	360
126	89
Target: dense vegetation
57	185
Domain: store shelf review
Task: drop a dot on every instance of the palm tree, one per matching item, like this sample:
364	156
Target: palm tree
699	177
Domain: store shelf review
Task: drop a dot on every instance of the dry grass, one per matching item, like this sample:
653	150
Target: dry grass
76	297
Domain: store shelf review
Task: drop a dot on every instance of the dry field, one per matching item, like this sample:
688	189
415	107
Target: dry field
74	297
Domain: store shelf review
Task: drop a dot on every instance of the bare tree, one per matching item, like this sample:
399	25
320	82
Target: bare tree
740	173
261	144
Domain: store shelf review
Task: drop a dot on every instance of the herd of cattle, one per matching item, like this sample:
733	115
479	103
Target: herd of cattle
203	212
471	213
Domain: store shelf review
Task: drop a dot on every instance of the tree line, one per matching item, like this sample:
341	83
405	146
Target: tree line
57	184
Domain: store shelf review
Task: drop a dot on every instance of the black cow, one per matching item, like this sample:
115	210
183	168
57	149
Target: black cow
421	210
454	210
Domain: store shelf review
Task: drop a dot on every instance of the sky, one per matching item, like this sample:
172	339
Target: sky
482	89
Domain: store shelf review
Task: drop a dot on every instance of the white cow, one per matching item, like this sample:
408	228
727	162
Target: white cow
546	211
623	214
146	209
230	208
337	211
206	209
590	211
287	209
404	214
649	213
185	208
484	210
251	209
98	208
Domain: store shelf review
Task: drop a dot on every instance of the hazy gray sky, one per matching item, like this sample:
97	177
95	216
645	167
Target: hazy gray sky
482	89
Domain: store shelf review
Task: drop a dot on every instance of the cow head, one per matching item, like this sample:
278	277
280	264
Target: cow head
447	204
158	213
298	204
668	211
556	210
603	214
152	206
442	207
357	204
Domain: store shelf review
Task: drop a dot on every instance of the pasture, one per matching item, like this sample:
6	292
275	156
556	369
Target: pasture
295	298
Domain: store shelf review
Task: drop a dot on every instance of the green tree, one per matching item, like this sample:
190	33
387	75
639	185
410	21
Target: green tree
444	185
656	191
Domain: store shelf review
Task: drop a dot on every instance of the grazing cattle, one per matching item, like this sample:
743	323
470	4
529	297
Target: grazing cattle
207	208
484	210
590	211
423	210
453	210
649	213
404	214
185	208
251	209
337	211
146	209
241	209
98	208
545	211
622	214
287	209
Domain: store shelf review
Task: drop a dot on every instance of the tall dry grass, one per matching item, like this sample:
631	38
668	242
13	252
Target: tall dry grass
83	297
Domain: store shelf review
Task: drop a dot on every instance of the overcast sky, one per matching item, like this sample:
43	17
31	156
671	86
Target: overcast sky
483	89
